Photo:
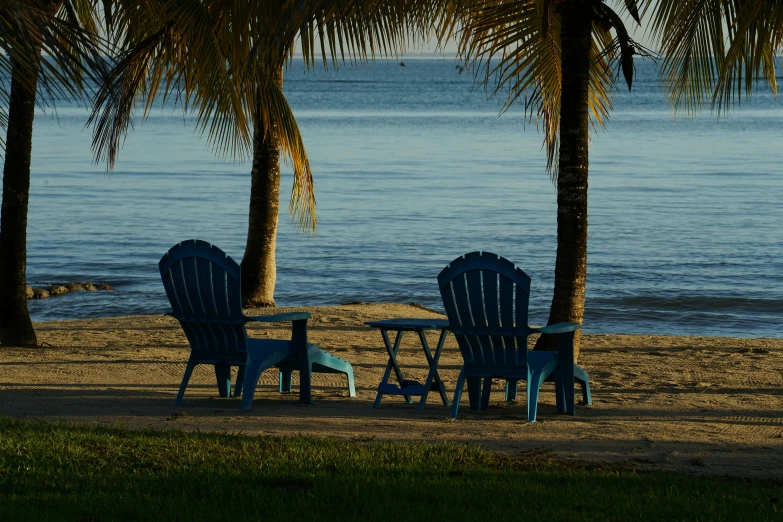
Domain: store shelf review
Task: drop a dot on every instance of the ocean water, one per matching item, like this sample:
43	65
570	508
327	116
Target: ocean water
413	167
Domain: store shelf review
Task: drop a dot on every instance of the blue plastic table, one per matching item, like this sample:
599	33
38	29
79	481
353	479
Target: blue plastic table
407	388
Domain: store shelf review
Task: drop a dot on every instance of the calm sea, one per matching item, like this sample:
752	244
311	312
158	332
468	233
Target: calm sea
413	167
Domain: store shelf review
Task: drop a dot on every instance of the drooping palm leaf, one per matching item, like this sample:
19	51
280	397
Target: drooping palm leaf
72	52
170	50
755	42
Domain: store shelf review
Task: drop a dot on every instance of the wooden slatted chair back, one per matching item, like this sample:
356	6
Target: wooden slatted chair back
486	299
203	286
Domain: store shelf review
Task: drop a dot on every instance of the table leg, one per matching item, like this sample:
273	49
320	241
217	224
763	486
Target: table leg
441	387
433	375
392	364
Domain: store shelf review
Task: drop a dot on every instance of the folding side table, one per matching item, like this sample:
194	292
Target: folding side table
406	387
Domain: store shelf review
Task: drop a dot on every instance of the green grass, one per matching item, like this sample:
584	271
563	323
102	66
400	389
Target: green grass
64	472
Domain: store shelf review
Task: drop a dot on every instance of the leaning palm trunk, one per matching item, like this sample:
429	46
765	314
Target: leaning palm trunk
16	328
568	302
259	271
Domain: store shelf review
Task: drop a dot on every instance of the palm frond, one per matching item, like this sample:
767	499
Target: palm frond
71	53
220	58
171	51
692	40
755	34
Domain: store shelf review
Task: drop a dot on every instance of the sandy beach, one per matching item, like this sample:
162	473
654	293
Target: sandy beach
703	405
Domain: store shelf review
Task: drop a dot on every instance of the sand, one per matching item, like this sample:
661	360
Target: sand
702	405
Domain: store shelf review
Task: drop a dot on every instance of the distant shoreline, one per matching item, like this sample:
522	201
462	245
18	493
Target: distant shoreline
413	310
425	312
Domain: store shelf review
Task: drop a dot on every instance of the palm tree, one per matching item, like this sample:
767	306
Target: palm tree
557	55
29	28
256	40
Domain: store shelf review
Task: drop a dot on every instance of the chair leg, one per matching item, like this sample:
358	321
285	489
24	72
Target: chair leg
559	394
511	390
185	379
458	394
306	380
223	374
581	377
586	397
568	392
564	393
351	384
566	368
253	372
486	392
474	392
285	380
240	381
534	381
306	385
303	353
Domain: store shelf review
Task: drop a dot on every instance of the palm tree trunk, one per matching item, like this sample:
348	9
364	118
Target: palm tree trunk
16	329
568	302
259	271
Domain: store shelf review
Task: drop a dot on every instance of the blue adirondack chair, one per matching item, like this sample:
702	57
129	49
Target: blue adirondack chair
203	287
486	299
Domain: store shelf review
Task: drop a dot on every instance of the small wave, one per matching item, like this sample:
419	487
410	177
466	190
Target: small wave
693	303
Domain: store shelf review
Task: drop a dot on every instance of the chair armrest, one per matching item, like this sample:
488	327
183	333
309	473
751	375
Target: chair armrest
557	328
280	318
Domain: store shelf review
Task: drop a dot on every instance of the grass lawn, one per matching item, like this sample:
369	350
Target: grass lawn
63	472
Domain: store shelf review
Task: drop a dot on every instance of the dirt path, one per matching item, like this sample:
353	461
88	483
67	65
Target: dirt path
696	404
